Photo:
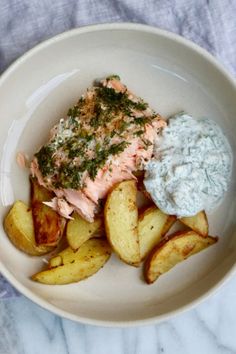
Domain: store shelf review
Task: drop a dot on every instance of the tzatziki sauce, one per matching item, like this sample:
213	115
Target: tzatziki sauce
191	167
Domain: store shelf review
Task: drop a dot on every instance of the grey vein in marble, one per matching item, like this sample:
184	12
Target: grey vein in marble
210	329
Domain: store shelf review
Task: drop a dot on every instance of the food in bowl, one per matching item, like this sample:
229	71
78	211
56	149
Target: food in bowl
107	136
84	181
191	167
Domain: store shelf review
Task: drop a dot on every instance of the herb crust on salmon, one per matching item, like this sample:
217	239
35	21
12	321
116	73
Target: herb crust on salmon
105	137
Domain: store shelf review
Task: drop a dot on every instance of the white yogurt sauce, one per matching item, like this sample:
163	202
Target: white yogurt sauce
191	167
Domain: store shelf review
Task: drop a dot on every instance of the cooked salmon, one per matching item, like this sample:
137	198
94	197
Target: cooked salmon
105	137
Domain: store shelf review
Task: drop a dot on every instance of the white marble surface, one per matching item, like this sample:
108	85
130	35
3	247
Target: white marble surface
210	328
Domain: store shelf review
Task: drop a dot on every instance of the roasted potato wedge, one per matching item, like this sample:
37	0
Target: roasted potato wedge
19	227
90	249
151	226
48	224
70	266
79	230
121	221
39	193
169	223
177	248
198	223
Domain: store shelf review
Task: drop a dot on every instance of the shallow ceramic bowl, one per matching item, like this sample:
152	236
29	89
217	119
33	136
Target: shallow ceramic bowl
170	73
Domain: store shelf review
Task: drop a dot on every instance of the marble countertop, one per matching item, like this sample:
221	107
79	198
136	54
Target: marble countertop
210	328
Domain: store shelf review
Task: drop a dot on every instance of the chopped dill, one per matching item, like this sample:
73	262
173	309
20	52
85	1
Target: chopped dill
141	120
45	160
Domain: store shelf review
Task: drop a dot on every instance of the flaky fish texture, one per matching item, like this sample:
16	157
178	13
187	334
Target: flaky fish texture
105	137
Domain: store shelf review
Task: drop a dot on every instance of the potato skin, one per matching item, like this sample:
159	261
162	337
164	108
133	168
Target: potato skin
172	250
19	227
69	266
169	223
48	224
121	221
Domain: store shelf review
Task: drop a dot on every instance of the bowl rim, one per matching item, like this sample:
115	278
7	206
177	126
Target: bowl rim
96	28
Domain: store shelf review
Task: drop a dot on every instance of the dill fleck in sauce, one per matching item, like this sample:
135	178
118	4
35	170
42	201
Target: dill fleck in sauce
98	127
191	168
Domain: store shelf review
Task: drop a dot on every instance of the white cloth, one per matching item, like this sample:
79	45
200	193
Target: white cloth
210	23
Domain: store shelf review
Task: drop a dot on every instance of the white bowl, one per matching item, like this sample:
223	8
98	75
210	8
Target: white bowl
172	74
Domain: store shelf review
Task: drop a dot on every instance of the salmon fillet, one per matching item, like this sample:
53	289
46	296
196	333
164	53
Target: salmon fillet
105	137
